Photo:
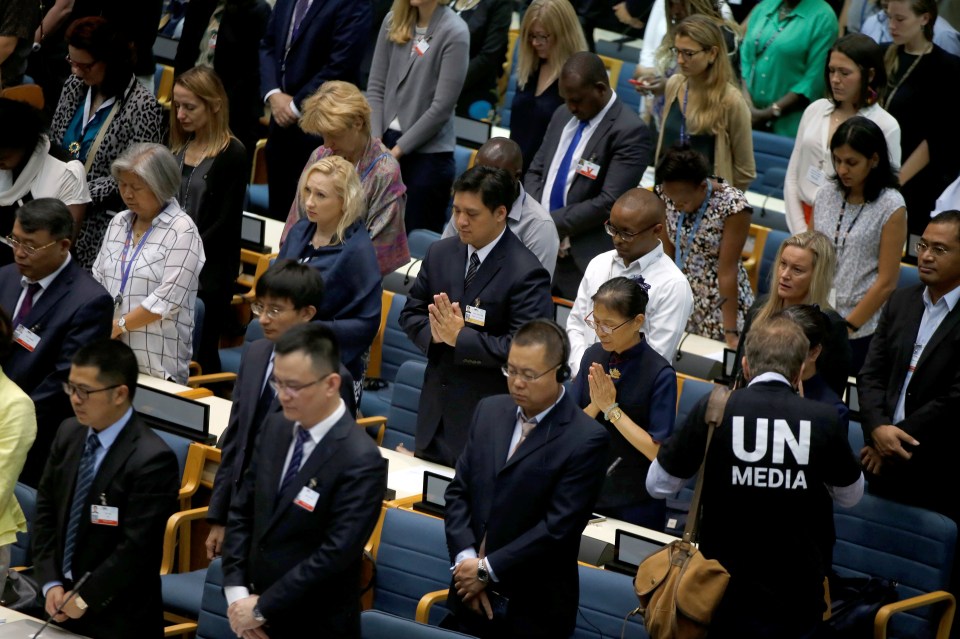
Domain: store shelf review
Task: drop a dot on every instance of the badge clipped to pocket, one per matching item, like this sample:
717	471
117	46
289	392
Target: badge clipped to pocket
105	515
421	47
307	499
588	169
26	338
816	176
475	315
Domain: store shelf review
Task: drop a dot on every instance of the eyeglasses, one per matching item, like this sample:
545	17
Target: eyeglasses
83	66
613	231
83	393
938	250
293	389
540	37
527	376
17	245
686	53
259	309
602	329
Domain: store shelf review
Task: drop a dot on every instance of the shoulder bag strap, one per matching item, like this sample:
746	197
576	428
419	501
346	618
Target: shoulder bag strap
714	416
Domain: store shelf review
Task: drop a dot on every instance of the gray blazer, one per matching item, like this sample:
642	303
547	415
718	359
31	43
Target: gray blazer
421	90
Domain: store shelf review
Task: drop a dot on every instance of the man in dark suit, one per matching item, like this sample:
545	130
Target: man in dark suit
288	294
307	43
108	488
471	295
909	386
595	150
58	308
307	504
524	488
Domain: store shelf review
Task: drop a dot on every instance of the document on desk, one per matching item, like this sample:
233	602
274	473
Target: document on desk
27	628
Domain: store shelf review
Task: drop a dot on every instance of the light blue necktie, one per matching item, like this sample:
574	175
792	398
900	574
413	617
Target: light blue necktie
85	476
559	189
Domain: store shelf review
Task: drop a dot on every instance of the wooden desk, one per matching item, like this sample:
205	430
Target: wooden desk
272	231
607	531
405	474
400	280
700	357
7	615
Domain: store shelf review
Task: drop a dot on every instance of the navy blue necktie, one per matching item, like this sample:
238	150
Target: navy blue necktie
85	476
263	405
472	271
559	190
295	460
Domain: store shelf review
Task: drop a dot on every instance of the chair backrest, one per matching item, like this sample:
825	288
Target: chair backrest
771	152
412	560
377	625
753	252
32	94
179	445
419	240
397	347
909	276
199	312
512	37
230	357
625	90
909	545
507	107
20	552
770	247
404	403
691	392
212	622
605	599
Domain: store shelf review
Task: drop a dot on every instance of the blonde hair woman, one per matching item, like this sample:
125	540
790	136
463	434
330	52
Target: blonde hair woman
802	273
332	239
549	34
213	182
340	115
418	69
703	108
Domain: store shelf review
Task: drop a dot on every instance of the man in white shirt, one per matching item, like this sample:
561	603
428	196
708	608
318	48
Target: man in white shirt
635	224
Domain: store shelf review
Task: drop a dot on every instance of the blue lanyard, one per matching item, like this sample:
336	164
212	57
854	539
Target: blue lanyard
367	170
681	255
125	268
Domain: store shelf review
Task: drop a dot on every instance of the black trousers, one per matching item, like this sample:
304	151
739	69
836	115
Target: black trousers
428	178
288	149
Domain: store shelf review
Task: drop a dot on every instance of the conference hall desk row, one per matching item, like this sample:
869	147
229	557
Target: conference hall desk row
16	625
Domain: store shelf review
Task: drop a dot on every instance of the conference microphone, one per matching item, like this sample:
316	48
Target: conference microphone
613	466
73	593
720	302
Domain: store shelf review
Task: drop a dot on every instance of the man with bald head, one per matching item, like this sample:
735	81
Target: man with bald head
594	150
634	226
527	218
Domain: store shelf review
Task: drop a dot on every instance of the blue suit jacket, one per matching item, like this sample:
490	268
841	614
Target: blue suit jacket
512	287
329	45
75	310
532	510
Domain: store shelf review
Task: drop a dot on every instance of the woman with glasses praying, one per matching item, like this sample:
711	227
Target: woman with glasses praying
150	263
102	111
632	392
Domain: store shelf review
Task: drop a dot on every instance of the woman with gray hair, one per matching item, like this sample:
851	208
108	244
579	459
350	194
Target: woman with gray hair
149	261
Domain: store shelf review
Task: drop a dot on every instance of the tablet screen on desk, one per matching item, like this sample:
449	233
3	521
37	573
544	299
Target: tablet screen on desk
632	549
434	488
172	413
729	363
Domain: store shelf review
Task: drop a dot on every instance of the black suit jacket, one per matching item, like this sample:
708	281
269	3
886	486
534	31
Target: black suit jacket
932	400
299	561
241	433
532	510
75	310
513	288
622	147
140	477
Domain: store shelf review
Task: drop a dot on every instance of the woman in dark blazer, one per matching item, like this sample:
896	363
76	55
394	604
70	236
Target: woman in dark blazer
333	240
489	24
213	168
632	392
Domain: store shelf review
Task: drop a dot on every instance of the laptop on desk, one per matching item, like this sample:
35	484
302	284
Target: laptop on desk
630	550
434	489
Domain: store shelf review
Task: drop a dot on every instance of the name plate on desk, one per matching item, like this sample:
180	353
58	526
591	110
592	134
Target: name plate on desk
630	550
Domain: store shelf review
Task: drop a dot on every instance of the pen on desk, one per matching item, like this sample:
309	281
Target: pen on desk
613	466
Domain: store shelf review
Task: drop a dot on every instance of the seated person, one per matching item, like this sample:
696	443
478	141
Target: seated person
333	240
632	391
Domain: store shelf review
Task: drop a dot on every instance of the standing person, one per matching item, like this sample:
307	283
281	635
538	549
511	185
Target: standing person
863	212
523	491
626	384
702	106
549	34
488	22
306	43
307	504
226	36
635	226
18	429
855	75
18	20
150	261
213	183
418	70
916	68
472	293
806	447
102	111
60	305
707	225
783	53
109	486
139	25
594	150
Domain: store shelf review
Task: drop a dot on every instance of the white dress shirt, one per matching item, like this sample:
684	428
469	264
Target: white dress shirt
482	253
668	309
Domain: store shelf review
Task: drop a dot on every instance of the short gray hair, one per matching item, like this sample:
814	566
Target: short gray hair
776	345
155	165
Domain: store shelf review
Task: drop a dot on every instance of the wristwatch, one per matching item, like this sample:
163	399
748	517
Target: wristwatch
776	110
257	615
483	575
122	325
81	604
614	415
611	411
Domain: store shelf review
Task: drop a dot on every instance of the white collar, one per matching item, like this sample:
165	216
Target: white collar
769	376
950	298
321	428
45	282
643	261
485	251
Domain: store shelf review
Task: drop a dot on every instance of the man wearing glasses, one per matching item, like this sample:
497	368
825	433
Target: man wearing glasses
56	308
307	504
634	227
288	295
109	485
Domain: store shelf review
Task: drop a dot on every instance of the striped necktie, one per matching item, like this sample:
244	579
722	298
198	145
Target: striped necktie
295	460
85	476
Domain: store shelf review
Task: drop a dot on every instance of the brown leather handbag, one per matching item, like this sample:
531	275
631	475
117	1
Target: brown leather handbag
678	588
